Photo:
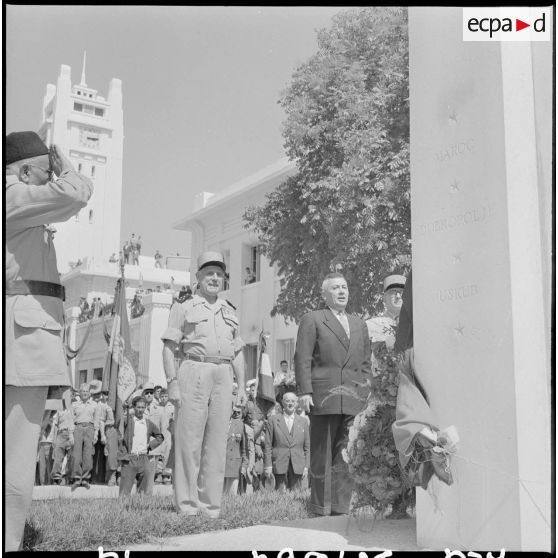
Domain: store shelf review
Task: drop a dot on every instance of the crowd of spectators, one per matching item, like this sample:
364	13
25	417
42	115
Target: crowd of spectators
82	444
268	449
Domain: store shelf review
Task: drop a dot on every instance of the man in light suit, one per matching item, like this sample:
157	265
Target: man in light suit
287	446
332	363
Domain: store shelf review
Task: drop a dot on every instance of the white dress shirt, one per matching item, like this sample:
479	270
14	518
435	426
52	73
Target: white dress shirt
289	421
341	315
139	443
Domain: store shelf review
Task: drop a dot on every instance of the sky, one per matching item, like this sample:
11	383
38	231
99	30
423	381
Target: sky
200	92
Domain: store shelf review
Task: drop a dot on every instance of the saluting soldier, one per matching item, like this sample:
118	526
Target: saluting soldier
34	321
205	328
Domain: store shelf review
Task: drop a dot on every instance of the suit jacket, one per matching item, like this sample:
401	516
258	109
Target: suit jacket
154	438
325	359
282	446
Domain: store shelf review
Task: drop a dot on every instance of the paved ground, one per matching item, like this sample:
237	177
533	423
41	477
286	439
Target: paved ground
319	533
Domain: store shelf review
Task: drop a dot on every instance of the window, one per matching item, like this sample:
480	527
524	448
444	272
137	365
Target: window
251	265
78	107
251	359
227	258
99	112
79	92
82	377
90	216
88	109
286	351
92	171
98	374
79	167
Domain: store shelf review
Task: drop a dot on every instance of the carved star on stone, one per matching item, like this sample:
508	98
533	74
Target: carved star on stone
454	186
452	118
459	330
457	257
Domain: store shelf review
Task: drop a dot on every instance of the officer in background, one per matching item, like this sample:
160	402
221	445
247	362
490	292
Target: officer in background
34	321
205	328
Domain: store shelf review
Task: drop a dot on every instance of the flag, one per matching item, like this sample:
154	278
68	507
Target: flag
266	392
119	378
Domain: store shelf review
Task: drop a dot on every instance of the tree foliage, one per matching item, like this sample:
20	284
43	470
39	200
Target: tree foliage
347	128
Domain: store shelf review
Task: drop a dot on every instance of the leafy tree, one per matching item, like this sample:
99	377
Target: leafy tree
347	128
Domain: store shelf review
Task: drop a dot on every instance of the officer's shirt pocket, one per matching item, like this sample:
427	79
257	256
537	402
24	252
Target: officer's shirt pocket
196	325
231	321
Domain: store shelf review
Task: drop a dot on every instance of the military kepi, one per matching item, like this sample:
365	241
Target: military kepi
211	258
394	282
23	145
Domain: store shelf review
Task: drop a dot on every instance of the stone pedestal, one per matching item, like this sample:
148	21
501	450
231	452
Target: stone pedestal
479	178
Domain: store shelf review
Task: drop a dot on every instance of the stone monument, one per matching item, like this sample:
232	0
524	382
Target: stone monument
481	130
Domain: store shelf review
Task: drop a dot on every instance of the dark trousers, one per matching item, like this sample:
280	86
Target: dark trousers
289	481
141	470
330	484
83	451
45	462
62	447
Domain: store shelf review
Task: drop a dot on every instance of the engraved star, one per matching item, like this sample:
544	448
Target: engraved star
459	330
457	257
454	186
452	118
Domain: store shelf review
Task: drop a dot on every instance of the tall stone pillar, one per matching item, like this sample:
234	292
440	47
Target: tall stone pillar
480	171
154	321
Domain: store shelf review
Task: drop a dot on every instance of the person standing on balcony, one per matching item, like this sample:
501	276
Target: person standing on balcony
34	356
205	327
158	257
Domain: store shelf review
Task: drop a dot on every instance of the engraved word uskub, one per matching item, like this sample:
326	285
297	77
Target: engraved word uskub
477	215
458	293
455	149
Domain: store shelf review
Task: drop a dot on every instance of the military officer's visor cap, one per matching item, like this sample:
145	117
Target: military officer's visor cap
394	282
211	258
23	145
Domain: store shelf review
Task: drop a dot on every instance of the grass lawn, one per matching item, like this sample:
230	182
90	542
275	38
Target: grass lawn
83	524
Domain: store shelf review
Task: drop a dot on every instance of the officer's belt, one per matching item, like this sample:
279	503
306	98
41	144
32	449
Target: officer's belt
210	359
32	287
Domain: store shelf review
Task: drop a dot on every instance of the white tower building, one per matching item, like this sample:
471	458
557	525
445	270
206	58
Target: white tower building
89	129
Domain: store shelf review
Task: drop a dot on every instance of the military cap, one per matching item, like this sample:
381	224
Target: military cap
394	281
211	258
23	145
148	385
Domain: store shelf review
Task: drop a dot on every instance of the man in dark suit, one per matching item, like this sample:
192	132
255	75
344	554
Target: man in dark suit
287	446
139	437
332	361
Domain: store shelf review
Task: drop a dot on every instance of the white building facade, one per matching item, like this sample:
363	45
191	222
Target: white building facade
216	223
89	130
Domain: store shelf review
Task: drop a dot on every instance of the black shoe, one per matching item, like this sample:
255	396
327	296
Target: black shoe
76	484
85	484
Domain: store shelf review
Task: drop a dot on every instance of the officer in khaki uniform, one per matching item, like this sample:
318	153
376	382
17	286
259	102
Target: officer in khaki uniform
33	327
205	328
